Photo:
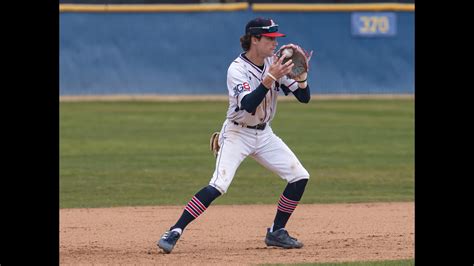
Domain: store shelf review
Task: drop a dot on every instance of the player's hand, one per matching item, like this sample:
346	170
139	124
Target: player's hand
302	80
302	76
278	69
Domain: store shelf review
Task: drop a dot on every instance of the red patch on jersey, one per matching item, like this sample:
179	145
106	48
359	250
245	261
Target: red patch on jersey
246	86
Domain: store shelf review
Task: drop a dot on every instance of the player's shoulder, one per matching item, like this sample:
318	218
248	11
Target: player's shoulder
237	61
236	65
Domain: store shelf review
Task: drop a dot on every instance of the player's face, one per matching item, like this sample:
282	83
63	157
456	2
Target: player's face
267	45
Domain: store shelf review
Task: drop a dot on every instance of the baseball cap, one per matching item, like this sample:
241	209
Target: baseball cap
264	27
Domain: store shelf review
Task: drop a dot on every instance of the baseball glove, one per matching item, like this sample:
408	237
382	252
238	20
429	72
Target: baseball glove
214	143
300	58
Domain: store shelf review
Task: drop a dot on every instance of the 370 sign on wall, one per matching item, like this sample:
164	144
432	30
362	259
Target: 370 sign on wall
374	24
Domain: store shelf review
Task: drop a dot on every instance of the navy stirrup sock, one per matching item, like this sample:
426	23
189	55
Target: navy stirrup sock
196	206
288	202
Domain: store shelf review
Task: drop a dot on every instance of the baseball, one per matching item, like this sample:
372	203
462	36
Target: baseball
288	52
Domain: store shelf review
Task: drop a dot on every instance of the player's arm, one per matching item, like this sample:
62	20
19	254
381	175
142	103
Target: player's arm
250	101
239	87
299	88
277	69
303	95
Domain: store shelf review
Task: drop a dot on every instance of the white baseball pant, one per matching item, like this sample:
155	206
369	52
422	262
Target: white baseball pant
237	142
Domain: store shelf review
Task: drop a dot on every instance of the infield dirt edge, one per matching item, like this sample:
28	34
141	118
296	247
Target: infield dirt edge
233	234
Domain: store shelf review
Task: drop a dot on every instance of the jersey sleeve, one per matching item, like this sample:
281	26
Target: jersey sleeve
238	83
289	83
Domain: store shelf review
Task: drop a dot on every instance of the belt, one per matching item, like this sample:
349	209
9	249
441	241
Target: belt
259	126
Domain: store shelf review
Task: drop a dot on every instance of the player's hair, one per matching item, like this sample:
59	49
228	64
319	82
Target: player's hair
245	41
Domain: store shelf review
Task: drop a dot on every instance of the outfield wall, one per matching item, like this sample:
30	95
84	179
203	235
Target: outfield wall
189	52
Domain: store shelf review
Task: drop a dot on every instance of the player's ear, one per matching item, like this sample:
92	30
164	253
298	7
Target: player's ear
255	39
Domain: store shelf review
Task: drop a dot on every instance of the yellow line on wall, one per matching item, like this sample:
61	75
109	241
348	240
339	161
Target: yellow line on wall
153	7
333	7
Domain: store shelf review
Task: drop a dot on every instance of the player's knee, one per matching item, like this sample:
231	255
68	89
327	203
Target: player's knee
214	192
216	189
299	178
300	184
295	190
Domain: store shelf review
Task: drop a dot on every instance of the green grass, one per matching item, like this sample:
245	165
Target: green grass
155	153
409	262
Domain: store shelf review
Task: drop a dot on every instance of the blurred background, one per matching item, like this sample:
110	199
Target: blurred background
366	48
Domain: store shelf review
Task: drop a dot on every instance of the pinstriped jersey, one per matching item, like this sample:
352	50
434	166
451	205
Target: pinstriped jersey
243	77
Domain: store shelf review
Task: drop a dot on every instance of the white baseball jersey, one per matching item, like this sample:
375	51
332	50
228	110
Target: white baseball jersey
243	77
238	141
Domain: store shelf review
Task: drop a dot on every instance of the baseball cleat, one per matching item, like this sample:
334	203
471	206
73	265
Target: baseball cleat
281	238
168	241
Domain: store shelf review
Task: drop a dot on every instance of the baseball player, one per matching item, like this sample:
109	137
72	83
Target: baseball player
254	79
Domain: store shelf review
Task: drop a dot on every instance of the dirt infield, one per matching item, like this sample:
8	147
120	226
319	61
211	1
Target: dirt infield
234	234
